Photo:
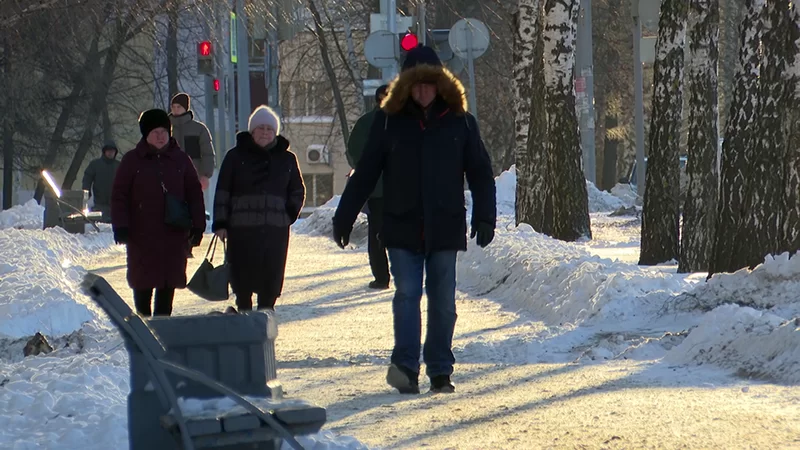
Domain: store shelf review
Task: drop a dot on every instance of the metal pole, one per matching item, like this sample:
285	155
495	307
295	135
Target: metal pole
391	23
242	66
273	69
223	60
473	101
422	24
584	72
229	70
638	91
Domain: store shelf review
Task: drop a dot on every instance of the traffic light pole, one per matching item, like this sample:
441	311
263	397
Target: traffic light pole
638	93
221	143
389	9
242	66
422	25
584	72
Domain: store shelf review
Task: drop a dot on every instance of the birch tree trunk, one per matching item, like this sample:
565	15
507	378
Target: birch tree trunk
530	118
737	147
791	227
570	201
699	211
765	203
660	216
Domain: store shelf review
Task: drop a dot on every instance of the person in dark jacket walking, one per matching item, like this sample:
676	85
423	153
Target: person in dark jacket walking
378	261
156	250
193	137
424	142
259	195
98	178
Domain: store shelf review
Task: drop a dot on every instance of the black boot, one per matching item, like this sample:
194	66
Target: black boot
442	384
378	285
403	379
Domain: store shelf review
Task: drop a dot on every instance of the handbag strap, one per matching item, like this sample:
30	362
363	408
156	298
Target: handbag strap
161	176
212	249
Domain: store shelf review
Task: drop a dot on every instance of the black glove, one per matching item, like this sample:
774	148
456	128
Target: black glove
485	233
341	234
121	235
196	236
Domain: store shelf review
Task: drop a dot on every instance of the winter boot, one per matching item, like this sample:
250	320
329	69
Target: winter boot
441	384
403	379
378	285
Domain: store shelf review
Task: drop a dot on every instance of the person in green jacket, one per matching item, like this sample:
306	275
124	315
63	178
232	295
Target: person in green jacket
99	177
193	137
378	261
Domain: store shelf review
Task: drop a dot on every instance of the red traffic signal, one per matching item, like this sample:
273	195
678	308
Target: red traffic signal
204	48
408	42
216	85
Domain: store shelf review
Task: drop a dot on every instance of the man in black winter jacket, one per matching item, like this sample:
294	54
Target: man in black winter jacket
423	141
99	177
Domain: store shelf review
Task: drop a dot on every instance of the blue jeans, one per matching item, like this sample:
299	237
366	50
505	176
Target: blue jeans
440	285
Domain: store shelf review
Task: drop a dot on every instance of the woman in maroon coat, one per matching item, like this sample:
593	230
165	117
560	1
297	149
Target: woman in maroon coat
156	251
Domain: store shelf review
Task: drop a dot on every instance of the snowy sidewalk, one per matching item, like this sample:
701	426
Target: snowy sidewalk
335	338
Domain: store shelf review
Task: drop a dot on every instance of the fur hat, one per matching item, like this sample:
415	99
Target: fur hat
152	119
264	115
421	55
181	99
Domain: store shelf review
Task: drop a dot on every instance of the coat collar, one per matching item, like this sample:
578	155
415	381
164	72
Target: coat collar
244	140
449	89
144	150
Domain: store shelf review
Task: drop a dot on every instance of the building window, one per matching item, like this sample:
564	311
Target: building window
319	188
308	99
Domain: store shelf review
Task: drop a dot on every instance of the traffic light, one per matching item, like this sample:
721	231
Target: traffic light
408	41
205	58
216	85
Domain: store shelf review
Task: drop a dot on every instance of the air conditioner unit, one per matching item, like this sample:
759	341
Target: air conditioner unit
317	154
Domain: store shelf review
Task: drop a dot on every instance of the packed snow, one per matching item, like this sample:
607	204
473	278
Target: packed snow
591	302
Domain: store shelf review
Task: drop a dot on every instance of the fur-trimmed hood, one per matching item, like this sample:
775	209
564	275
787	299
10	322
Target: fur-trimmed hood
449	88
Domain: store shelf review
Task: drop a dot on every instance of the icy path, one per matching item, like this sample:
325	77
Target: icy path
334	343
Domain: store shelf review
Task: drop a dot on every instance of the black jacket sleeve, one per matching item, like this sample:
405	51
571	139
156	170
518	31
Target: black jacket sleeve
222	195
478	168
296	191
367	173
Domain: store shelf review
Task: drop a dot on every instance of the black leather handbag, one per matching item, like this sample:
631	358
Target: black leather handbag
176	211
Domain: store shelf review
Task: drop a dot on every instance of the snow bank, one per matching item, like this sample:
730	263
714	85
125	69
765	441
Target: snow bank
752	343
320	223
27	216
39	277
602	201
562	283
74	402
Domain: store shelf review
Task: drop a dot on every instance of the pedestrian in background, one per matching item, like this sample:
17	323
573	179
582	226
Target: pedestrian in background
423	141
378	261
259	195
156	249
98	179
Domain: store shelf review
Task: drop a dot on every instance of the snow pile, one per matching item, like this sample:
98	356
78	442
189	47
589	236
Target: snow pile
625	193
74	402
602	201
752	343
320	223
39	278
562	283
27	216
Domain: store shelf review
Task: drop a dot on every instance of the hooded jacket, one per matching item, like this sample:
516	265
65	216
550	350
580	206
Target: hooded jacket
194	138
423	157
98	178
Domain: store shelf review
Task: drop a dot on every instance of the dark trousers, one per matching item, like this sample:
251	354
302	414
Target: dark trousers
163	303
378	261
244	301
439	269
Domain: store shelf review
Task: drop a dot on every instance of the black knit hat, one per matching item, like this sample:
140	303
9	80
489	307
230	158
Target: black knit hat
421	55
152	119
380	92
181	99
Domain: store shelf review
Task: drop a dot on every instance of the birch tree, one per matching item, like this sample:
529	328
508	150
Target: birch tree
737	148
790	232
760	229
530	121
569	197
697	237
660	216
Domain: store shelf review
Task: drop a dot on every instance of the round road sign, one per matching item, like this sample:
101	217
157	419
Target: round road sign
469	34
379	49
